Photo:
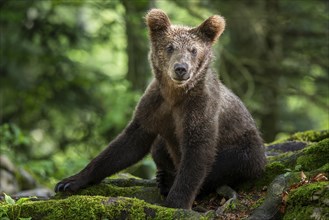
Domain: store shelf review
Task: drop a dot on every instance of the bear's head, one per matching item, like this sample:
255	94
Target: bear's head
178	53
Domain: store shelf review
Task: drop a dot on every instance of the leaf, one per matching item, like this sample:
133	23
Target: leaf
23	200
319	177
9	200
28	218
284	199
303	176
3	215
298	167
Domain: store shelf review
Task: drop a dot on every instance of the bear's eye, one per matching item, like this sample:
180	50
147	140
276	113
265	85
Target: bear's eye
194	51
170	48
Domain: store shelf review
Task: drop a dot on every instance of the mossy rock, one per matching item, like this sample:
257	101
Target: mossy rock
312	158
133	188
140	199
305	136
310	201
97	207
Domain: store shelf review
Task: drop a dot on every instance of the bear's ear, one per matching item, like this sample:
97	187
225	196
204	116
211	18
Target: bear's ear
157	21
211	28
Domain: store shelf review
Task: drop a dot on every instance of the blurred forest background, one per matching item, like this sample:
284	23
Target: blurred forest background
72	71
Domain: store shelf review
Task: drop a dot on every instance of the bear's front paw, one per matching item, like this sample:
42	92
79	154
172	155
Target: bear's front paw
71	184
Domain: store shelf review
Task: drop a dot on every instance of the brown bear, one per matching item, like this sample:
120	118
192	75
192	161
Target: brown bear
200	134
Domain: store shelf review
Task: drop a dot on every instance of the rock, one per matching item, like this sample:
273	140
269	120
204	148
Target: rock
8	181
6	164
12	179
42	193
270	209
26	181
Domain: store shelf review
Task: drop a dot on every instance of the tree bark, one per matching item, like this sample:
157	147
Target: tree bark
271	73
137	46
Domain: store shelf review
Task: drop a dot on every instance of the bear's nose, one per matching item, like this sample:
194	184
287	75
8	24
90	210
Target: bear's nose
180	69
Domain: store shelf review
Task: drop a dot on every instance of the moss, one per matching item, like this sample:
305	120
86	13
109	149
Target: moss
306	201
310	136
315	155
306	136
308	212
324	168
258	203
126	182
110	190
272	170
287	159
303	195
99	189
75	207
94	202
97	207
123	175
312	157
149	194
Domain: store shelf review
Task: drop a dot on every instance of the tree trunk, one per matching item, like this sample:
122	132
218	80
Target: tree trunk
137	46
271	73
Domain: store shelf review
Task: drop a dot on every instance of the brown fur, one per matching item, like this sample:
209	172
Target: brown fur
199	133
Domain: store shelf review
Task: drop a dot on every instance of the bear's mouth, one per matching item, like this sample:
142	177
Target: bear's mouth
180	81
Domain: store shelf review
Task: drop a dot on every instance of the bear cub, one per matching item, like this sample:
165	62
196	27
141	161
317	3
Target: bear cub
199	133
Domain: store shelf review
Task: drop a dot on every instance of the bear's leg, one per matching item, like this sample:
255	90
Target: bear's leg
165	166
126	149
234	166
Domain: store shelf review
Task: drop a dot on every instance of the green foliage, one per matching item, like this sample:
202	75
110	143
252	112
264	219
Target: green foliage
14	140
52	75
60	85
11	202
